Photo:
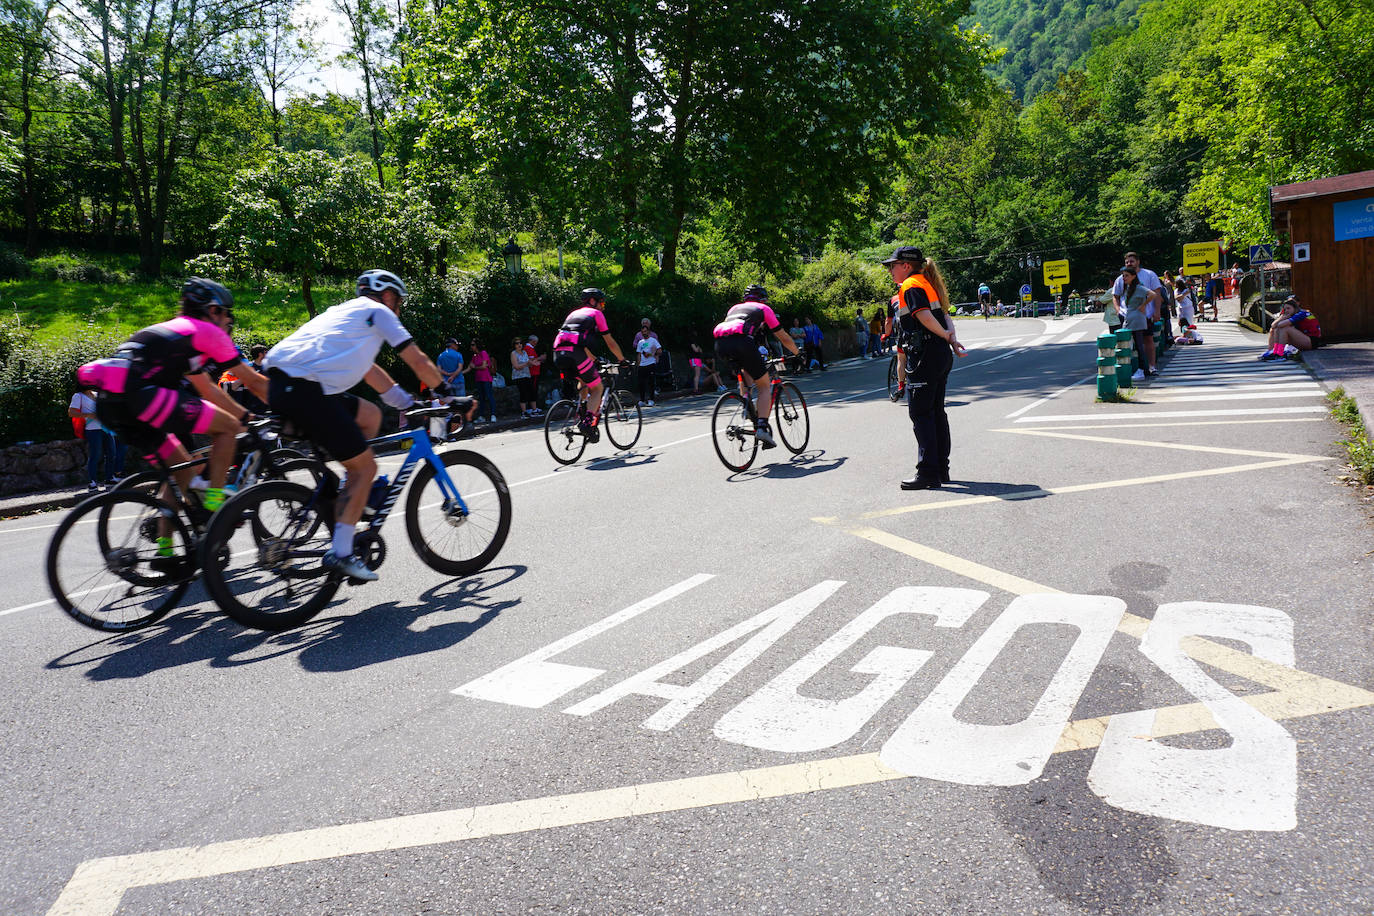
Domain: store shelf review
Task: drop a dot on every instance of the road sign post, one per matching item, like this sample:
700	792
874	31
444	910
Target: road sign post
1029	262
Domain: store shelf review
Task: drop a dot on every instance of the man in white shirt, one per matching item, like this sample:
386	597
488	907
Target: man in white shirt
647	347
1148	279
310	373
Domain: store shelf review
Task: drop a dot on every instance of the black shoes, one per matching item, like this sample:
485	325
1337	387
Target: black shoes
921	483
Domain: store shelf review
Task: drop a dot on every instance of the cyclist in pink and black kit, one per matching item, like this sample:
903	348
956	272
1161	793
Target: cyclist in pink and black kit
142	393
738	339
572	350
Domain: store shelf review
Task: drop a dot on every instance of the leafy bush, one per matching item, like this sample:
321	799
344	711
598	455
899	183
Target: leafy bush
37	382
12	264
836	285
71	269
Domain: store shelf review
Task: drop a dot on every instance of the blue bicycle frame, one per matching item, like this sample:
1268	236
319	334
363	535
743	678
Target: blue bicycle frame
421	449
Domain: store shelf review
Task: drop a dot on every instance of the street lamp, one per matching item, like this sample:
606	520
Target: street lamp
513	253
1030	262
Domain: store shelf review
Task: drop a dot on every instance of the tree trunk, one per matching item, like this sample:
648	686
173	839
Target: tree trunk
305	294
441	259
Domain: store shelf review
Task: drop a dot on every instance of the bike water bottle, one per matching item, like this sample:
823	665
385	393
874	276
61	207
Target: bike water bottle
378	494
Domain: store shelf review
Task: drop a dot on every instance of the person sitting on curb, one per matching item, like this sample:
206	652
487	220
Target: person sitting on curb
1294	331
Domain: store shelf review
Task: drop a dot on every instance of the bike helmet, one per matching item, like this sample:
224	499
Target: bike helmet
377	281
199	294
591	293
755	293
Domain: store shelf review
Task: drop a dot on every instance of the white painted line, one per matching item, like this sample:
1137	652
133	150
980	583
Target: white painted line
1270	395
1208	385
1042	339
1073	338
1011	341
1050	397
1154	414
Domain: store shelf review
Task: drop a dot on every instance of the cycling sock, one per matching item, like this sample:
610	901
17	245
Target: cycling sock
164	547
213	499
1278	349
343	540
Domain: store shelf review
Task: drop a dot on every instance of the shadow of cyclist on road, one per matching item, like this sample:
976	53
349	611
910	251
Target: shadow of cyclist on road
202	634
803	465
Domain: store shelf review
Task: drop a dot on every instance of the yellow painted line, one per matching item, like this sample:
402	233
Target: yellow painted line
97	886
1296	692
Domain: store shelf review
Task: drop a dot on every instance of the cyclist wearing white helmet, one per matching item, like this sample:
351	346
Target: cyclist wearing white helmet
310	373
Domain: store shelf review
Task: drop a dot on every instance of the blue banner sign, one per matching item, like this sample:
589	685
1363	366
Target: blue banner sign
1354	219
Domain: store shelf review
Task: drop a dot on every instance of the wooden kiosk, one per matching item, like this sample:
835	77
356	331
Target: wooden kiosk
1329	224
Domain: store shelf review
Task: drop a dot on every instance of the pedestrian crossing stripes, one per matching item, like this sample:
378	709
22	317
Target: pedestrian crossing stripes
1221	379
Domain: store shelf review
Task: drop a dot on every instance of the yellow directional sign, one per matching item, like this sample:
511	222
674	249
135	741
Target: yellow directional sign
1056	290
1201	258
1056	273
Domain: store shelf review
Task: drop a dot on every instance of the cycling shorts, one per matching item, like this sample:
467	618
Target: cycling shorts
576	365
743	354
156	420
329	420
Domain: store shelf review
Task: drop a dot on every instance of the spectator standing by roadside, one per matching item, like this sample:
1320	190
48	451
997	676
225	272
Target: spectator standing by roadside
536	367
1150	281
1166	307
101	444
861	331
798	335
647	348
813	338
875	334
481	376
1183	301
1138	302
520	374
645	330
450	363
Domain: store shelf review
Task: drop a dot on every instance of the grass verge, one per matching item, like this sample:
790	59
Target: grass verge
1357	444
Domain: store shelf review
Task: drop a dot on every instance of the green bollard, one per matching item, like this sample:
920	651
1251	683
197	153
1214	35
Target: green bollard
1106	378
1125	358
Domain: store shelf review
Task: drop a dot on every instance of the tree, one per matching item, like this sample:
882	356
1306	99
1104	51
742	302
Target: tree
369	24
280	51
786	109
28	45
159	68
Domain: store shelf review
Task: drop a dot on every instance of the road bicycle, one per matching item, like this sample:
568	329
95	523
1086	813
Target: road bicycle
567	429
262	555
104	564
735	417
892	383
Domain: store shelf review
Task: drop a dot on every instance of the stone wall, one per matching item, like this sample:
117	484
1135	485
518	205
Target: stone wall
42	466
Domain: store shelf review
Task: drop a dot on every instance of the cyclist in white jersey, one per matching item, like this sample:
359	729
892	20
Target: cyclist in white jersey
310	373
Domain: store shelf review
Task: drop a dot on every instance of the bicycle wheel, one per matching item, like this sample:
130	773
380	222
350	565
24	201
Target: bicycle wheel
103	566
261	557
622	419
447	538
732	432
892	375
562	432
793	422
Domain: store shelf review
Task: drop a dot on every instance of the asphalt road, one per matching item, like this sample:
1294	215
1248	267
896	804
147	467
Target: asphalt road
1120	666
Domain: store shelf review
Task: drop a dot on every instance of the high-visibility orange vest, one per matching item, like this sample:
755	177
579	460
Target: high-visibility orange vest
924	284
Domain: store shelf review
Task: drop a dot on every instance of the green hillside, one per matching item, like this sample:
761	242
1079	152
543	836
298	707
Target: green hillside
1044	39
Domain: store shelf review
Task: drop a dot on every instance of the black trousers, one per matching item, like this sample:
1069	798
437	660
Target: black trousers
927	374
646	383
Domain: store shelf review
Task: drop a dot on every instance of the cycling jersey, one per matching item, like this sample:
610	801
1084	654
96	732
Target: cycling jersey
748	319
337	347
579	327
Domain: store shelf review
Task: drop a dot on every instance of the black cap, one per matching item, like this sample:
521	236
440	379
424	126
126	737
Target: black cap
908	253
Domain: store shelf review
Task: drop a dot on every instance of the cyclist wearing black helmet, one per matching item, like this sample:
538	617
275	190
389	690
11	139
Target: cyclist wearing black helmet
143	398
572	352
310	373
738	339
